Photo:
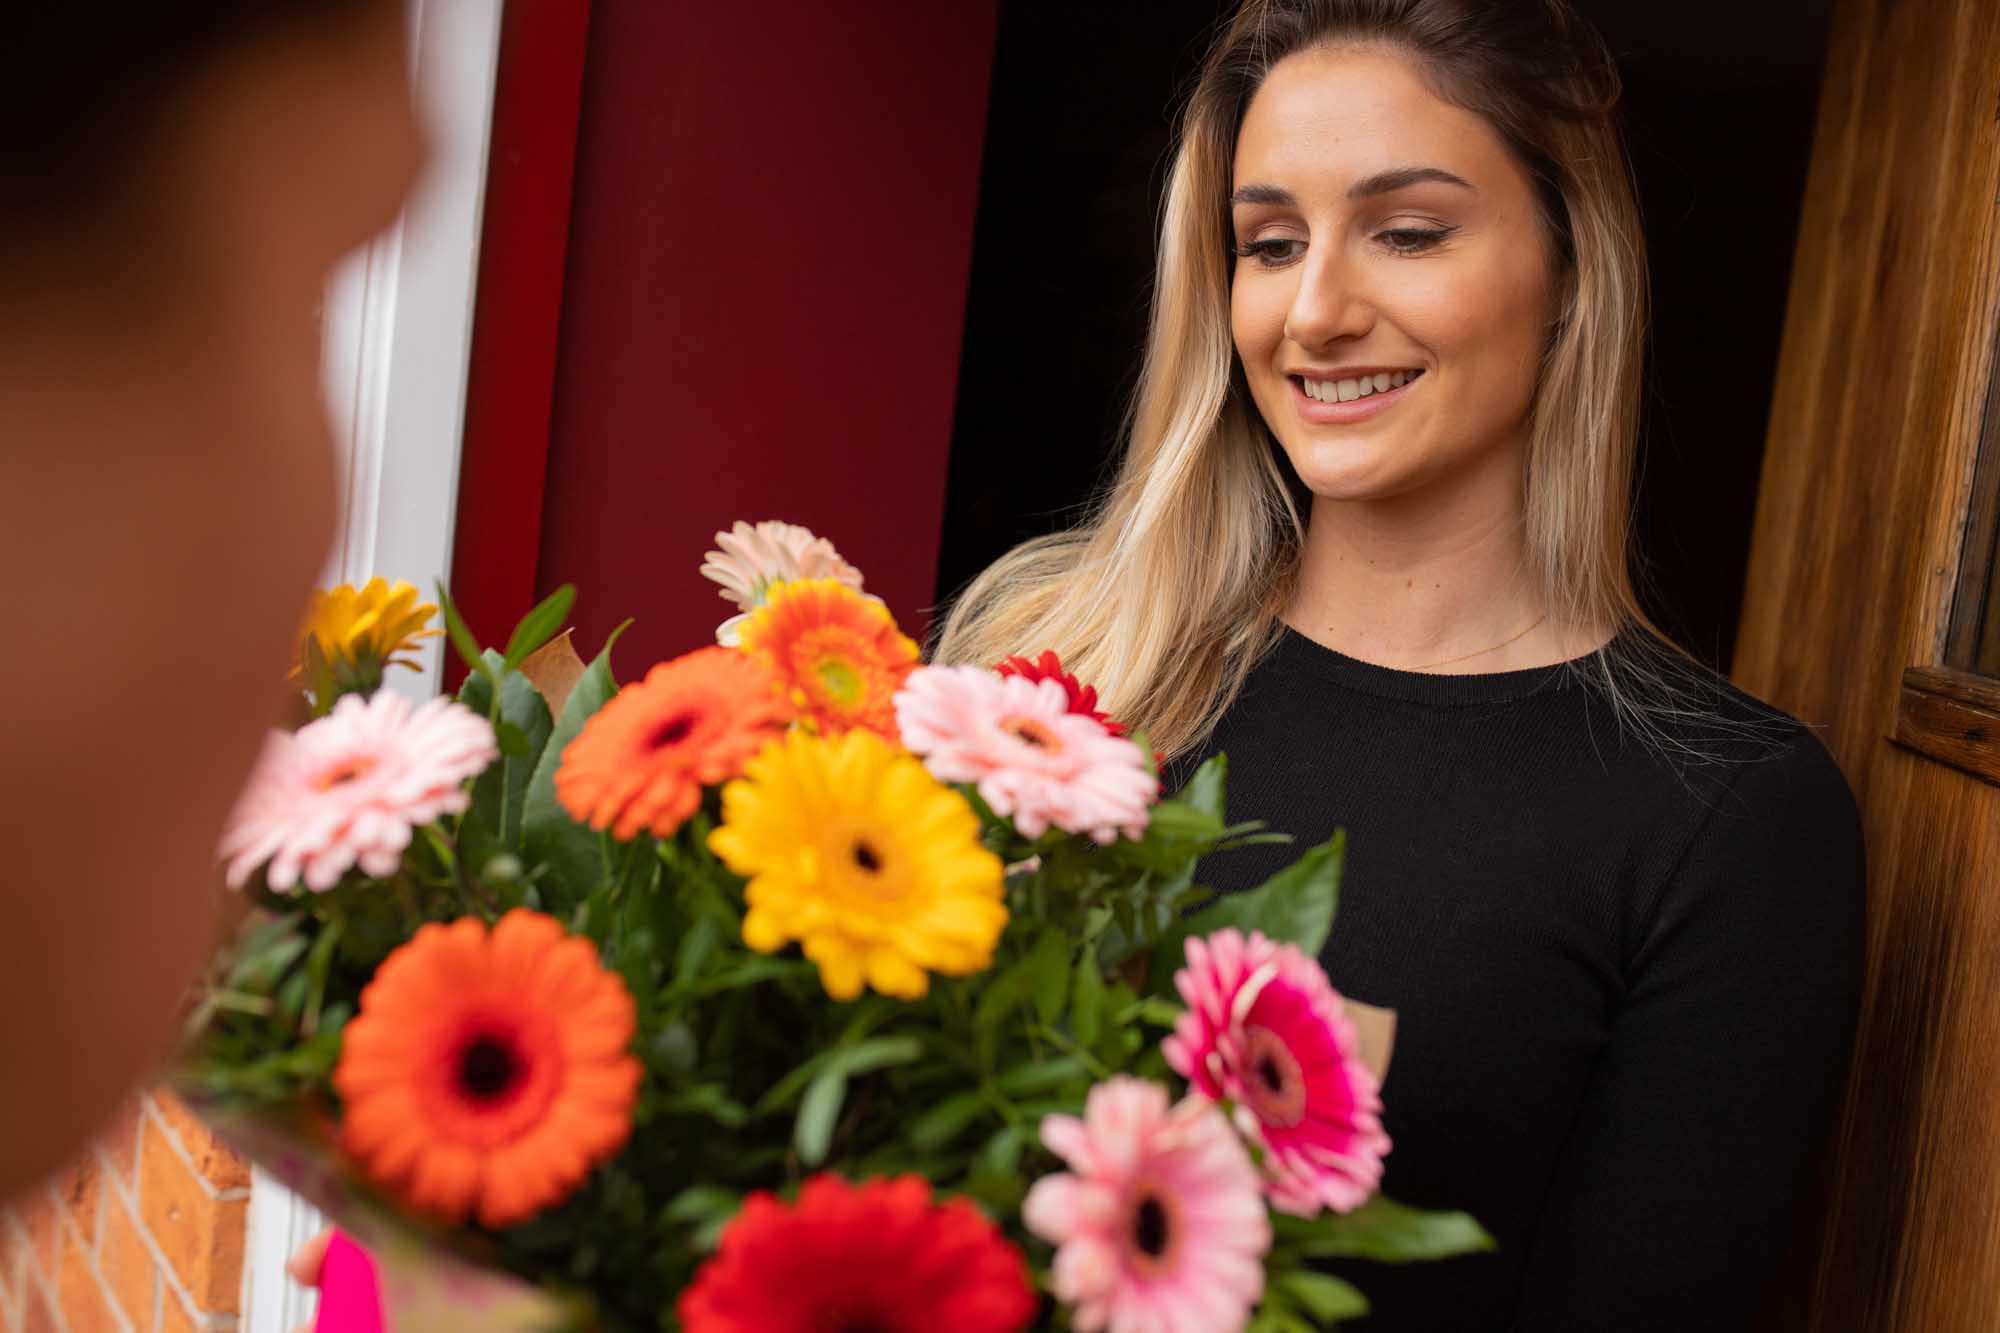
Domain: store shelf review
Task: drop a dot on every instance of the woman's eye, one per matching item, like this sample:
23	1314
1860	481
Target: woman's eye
1414	240
1272	253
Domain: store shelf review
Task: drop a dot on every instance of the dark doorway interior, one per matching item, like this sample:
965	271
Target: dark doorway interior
1720	109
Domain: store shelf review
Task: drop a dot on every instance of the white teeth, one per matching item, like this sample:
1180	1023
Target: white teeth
1346	391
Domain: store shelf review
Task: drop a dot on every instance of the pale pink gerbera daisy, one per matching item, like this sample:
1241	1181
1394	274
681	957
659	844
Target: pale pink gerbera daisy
348	789
752	558
1265	1029
1158	1224
1033	760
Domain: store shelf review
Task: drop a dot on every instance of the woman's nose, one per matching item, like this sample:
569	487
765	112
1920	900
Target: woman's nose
1326	305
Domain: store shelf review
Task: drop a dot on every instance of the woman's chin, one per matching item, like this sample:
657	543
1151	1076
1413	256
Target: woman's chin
1350	473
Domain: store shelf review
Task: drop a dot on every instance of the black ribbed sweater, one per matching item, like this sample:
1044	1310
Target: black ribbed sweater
1625	985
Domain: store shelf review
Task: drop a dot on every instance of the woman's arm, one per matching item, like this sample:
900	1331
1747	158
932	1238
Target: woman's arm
1680	1181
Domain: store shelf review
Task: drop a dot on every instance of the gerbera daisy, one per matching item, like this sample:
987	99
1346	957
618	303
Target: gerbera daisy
1159	1211
642	760
1265	1029
359	631
1033	759
751	559
486	1074
878	1257
855	851
347	789
1082	698
839	654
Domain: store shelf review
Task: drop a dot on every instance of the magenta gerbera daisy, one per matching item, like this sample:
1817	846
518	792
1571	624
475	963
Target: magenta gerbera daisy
1266	1029
348	789
1033	760
1158	1212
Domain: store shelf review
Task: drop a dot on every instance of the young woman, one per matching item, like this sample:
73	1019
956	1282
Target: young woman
1369	538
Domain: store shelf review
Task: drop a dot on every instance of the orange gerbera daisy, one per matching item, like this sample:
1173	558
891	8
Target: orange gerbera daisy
641	761
487	1072
840	655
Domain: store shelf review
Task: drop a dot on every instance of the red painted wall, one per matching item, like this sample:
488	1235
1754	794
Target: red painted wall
523	251
767	256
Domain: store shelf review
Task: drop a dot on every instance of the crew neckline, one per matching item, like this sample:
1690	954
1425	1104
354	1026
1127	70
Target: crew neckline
1427	687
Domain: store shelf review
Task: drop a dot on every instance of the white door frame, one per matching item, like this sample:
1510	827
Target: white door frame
398	343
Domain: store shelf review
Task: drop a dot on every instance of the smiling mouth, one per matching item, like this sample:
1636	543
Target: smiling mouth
1349	390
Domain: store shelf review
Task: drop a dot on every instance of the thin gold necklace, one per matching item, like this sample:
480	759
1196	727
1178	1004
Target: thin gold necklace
1483	651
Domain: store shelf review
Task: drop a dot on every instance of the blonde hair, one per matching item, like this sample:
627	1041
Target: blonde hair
1173	588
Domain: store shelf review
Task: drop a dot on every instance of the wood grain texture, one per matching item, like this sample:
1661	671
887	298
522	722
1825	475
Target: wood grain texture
1951	720
1875	420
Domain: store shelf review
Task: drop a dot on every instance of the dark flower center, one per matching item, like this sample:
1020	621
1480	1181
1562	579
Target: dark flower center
1031	733
866	857
346	771
489	1068
1274	1086
1149	1228
673	731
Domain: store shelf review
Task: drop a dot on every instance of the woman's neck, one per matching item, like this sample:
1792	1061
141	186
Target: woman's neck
1432	580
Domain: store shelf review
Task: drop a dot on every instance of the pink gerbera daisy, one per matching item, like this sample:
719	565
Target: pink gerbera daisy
1265	1029
348	789
752	558
1032	759
1158	1224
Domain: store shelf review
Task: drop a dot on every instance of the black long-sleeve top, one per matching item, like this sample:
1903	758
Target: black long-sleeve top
1626	978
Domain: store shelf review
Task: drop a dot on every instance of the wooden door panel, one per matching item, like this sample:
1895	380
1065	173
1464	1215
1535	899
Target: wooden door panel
1876	416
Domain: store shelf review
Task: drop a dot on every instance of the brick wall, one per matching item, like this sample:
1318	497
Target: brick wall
144	1235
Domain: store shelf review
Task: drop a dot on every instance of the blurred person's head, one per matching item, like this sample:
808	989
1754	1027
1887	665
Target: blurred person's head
176	182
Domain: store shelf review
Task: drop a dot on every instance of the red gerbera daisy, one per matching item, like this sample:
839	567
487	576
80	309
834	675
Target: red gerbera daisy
1082	698
878	1256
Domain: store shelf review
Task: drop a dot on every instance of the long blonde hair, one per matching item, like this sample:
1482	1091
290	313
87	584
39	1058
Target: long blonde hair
1173	588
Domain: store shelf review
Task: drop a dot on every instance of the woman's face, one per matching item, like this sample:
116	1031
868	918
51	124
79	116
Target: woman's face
1391	285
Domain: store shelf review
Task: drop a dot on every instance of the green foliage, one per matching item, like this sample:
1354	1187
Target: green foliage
1295	906
1383	1230
574	861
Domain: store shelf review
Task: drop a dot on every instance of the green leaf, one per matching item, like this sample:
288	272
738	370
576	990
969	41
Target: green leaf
818	1110
1004	994
1049	962
1327	1298
1026	1080
258	972
1294	906
499	795
1183	823
701	1203
1086	1004
461	637
539	625
944	1122
1385	1231
863	1057
1204	791
550	836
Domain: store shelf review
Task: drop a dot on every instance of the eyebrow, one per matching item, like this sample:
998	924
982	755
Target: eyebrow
1382	182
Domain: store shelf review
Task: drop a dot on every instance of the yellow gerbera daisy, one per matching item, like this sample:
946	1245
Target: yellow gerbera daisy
840	655
358	631
853	849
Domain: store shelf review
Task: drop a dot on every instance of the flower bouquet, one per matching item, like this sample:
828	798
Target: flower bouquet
795	985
